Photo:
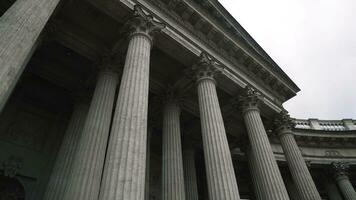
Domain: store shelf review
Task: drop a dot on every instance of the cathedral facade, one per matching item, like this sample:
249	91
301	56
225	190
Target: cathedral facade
155	100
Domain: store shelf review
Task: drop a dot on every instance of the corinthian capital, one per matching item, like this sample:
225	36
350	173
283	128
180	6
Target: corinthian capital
205	68
340	168
249	99
110	61
142	23
283	122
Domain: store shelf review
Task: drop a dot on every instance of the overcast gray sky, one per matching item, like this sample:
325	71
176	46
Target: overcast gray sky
314	42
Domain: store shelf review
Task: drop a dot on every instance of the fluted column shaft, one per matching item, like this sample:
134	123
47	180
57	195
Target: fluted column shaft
65	158
172	161
345	186
125	167
270	182
148	165
332	190
219	169
292	190
252	167
89	160
297	166
20	27
190	176
124	174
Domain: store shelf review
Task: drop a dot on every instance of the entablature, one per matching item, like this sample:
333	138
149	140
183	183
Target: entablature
230	45
182	29
78	35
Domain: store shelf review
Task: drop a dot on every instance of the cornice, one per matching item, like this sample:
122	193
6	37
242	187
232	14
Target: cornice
217	39
314	138
235	32
234	27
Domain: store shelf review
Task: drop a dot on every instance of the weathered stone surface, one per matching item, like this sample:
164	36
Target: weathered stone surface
148	165
172	161
296	163
20	28
292	190
252	167
190	176
65	158
269	180
124	174
85	177
219	169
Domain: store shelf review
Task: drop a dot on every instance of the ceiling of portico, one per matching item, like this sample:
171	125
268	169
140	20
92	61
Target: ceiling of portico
80	33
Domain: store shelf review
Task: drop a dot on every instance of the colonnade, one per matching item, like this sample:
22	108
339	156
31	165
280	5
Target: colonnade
98	131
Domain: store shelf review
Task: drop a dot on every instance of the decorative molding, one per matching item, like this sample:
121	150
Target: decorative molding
206	68
340	168
326	125
333	153
213	44
143	24
250	99
283	122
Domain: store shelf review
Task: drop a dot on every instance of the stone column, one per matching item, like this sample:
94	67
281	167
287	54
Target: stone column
190	176
88	163
219	168
270	182
331	189
124	174
172	161
296	163
65	157
148	163
252	167
20	27
292	190
342	180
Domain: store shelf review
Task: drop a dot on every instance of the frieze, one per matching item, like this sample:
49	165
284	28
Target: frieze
322	141
333	153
